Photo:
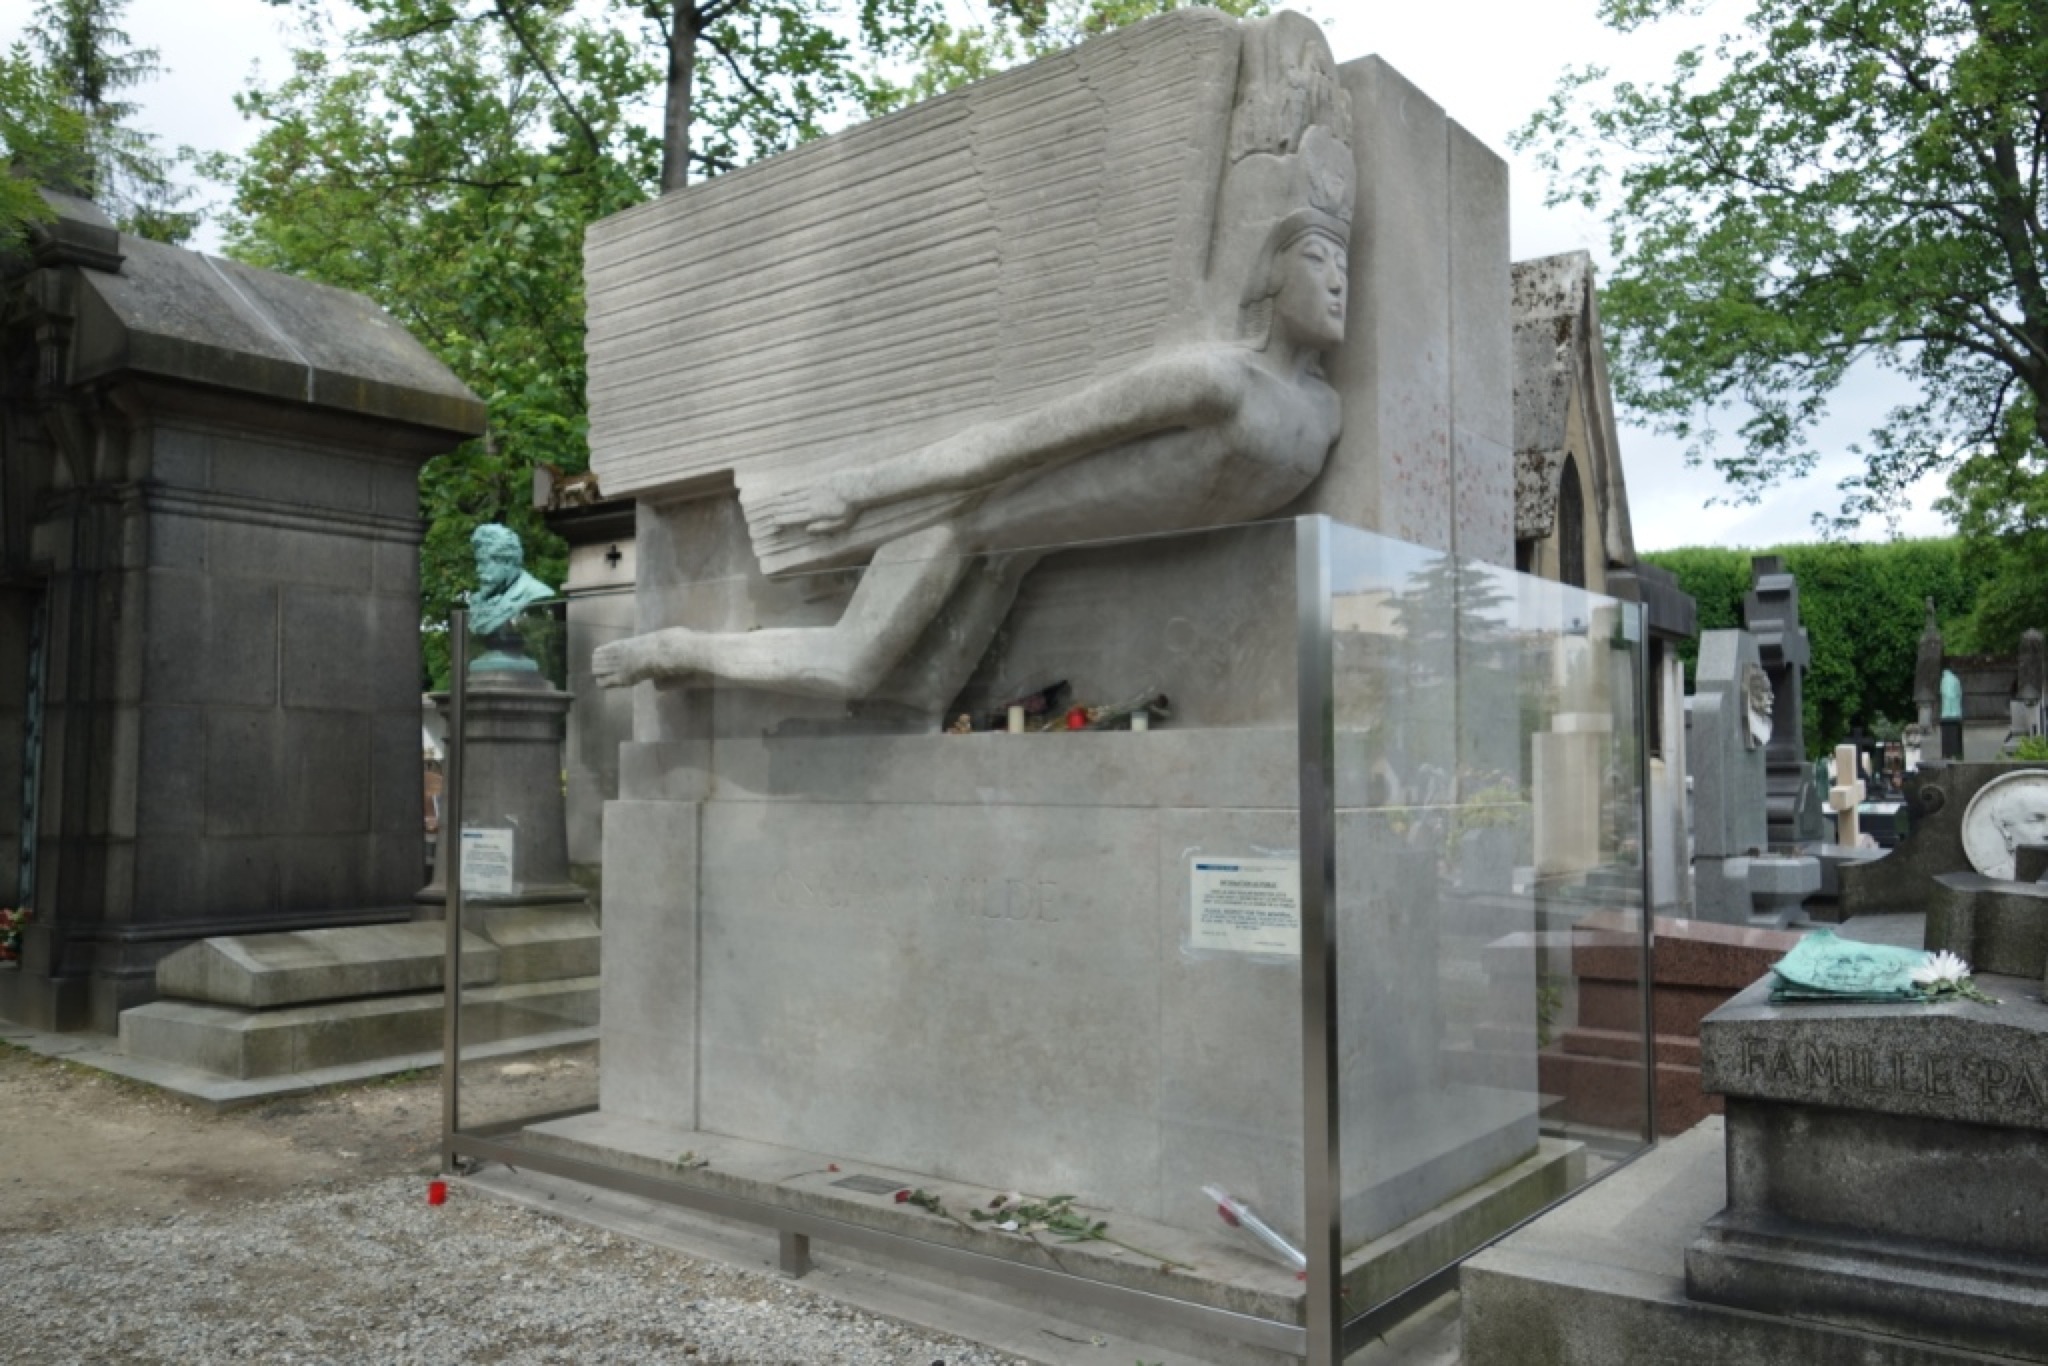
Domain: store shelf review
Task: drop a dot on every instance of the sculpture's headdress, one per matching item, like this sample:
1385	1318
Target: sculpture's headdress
1291	169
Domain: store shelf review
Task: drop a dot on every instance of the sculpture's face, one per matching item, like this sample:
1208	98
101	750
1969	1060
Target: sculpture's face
2023	817
1314	276
499	562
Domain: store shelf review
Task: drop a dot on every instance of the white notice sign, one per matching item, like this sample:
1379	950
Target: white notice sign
487	863
1246	905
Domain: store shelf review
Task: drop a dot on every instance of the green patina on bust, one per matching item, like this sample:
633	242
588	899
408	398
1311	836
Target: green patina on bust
504	590
1951	696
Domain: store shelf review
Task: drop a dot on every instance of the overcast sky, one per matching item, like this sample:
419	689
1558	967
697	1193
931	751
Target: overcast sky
1490	63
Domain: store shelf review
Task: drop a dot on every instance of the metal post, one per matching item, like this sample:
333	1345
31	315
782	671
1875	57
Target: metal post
1640	658
1322	1190
451	855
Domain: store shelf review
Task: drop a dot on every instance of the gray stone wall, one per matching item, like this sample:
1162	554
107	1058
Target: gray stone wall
280	764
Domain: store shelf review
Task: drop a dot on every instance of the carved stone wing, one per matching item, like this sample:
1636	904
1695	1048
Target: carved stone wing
877	290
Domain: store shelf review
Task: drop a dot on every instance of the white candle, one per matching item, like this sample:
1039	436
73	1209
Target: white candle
1141	719
1017	720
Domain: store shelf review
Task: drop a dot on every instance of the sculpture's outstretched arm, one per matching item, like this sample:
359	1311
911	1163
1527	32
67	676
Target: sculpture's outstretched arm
1196	387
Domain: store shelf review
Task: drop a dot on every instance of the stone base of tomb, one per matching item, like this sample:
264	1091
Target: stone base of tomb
1600	1281
974	957
1215	1266
1884	1167
270	1008
1873	1195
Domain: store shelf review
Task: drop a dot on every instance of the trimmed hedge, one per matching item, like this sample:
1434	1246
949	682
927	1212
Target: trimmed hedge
1862	606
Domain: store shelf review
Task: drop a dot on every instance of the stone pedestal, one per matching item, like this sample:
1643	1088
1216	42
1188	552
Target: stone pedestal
969	957
1885	1168
514	725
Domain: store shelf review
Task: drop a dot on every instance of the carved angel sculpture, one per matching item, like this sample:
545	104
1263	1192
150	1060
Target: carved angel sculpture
1225	425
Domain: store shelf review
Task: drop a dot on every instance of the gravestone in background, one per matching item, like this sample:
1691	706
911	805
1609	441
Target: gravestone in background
1770	613
1736	878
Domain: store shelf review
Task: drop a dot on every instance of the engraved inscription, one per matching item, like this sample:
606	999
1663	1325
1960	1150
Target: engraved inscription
1033	900
1900	1072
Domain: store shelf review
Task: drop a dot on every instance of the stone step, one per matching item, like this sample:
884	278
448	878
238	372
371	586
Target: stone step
538	943
235	1042
263	971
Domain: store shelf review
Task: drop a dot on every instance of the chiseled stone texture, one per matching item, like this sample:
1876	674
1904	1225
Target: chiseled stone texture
1425	372
1884	1167
959	260
649	983
1482	356
1425	377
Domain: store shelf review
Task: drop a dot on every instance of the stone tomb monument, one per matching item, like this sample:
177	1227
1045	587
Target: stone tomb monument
243	1011
1877	1195
1957	863
209	541
1770	613
1181	277
1736	878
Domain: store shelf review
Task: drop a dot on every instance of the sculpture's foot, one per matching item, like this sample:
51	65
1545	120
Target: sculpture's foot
622	663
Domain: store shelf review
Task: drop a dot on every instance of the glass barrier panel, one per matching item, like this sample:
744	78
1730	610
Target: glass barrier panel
529	954
1489	901
944	899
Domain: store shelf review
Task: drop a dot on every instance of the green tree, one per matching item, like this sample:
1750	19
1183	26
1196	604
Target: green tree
87	57
1018	31
1836	182
1862	606
447	170
41	142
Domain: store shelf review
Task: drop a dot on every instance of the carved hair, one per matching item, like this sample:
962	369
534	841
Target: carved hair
498	546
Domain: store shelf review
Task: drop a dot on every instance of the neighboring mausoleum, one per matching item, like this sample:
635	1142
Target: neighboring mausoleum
209	608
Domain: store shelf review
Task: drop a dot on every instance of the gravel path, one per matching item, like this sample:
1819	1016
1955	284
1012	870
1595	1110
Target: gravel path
372	1273
307	1244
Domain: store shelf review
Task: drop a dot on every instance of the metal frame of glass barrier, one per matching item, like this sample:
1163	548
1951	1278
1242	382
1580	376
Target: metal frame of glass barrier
1326	1335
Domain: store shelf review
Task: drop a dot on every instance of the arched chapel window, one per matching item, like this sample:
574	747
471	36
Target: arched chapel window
1571	526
